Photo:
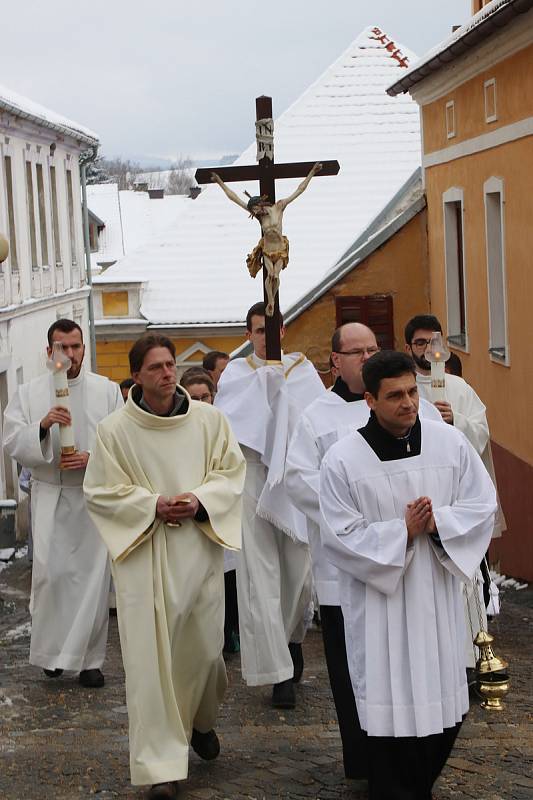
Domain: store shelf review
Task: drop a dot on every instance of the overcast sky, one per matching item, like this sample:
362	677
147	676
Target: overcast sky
179	77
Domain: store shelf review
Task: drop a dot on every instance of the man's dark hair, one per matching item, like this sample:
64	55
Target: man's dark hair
189	378
454	365
258	310
195	372
65	326
210	359
385	364
127	383
424	322
143	345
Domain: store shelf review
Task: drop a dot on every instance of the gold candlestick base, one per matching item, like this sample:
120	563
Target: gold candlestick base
67	451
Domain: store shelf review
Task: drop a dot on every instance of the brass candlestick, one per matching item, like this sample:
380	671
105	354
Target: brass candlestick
492	678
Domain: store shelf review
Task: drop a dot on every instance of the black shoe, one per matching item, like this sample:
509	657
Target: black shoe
297	656
353	774
53	673
206	745
163	791
283	694
92	678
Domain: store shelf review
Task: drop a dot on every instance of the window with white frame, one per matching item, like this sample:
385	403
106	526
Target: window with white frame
55	215
450	119
453	209
71	219
496	282
489	88
42	214
8	172
30	199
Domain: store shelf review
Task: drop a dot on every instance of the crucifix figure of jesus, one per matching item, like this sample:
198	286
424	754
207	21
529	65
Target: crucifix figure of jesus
272	252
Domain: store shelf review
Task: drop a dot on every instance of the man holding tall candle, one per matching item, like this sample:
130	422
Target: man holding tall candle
463	409
70	579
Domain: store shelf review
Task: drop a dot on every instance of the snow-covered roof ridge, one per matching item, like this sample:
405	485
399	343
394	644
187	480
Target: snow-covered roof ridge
198	271
459	41
24	107
131	219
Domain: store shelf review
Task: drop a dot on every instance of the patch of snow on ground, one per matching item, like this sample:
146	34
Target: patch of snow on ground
507	583
22	552
18	633
6	553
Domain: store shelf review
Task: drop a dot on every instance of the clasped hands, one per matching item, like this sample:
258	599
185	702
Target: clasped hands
419	518
173	510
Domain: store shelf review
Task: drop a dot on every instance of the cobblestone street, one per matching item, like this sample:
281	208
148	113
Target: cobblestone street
60	741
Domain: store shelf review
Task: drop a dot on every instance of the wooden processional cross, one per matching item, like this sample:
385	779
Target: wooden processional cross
266	173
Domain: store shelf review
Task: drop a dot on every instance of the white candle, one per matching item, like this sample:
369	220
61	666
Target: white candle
438	385
66	432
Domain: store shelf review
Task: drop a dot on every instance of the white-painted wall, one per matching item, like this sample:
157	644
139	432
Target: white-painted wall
32	296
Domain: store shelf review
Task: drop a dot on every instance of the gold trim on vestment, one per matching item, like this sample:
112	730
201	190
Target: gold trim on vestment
298	361
251	363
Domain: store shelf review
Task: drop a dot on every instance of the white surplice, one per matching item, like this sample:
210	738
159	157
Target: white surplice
469	416
326	420
169	580
70	574
262	403
401	602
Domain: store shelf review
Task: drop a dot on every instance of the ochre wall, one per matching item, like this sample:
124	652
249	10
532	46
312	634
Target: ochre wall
399	268
503	389
506	390
513	102
112	354
115	304
513	553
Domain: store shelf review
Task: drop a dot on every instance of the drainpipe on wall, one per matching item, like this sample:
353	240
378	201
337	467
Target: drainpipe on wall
87	158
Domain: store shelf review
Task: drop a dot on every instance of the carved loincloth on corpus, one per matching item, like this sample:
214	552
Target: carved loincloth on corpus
254	260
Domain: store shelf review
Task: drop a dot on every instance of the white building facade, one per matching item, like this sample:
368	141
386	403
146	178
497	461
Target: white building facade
43	278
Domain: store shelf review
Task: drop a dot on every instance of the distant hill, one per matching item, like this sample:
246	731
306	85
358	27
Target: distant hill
149	163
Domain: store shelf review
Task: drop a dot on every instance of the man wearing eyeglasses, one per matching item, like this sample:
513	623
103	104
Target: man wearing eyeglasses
330	417
463	409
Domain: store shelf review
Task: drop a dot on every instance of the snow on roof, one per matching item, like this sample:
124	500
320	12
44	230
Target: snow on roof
23	107
198	270
457	43
131	219
159	179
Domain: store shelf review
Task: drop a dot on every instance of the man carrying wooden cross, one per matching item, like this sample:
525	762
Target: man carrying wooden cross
262	401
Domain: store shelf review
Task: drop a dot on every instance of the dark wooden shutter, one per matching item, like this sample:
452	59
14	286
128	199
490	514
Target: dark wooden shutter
373	310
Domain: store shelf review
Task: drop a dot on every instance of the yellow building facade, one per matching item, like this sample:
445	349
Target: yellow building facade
477	113
112	353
